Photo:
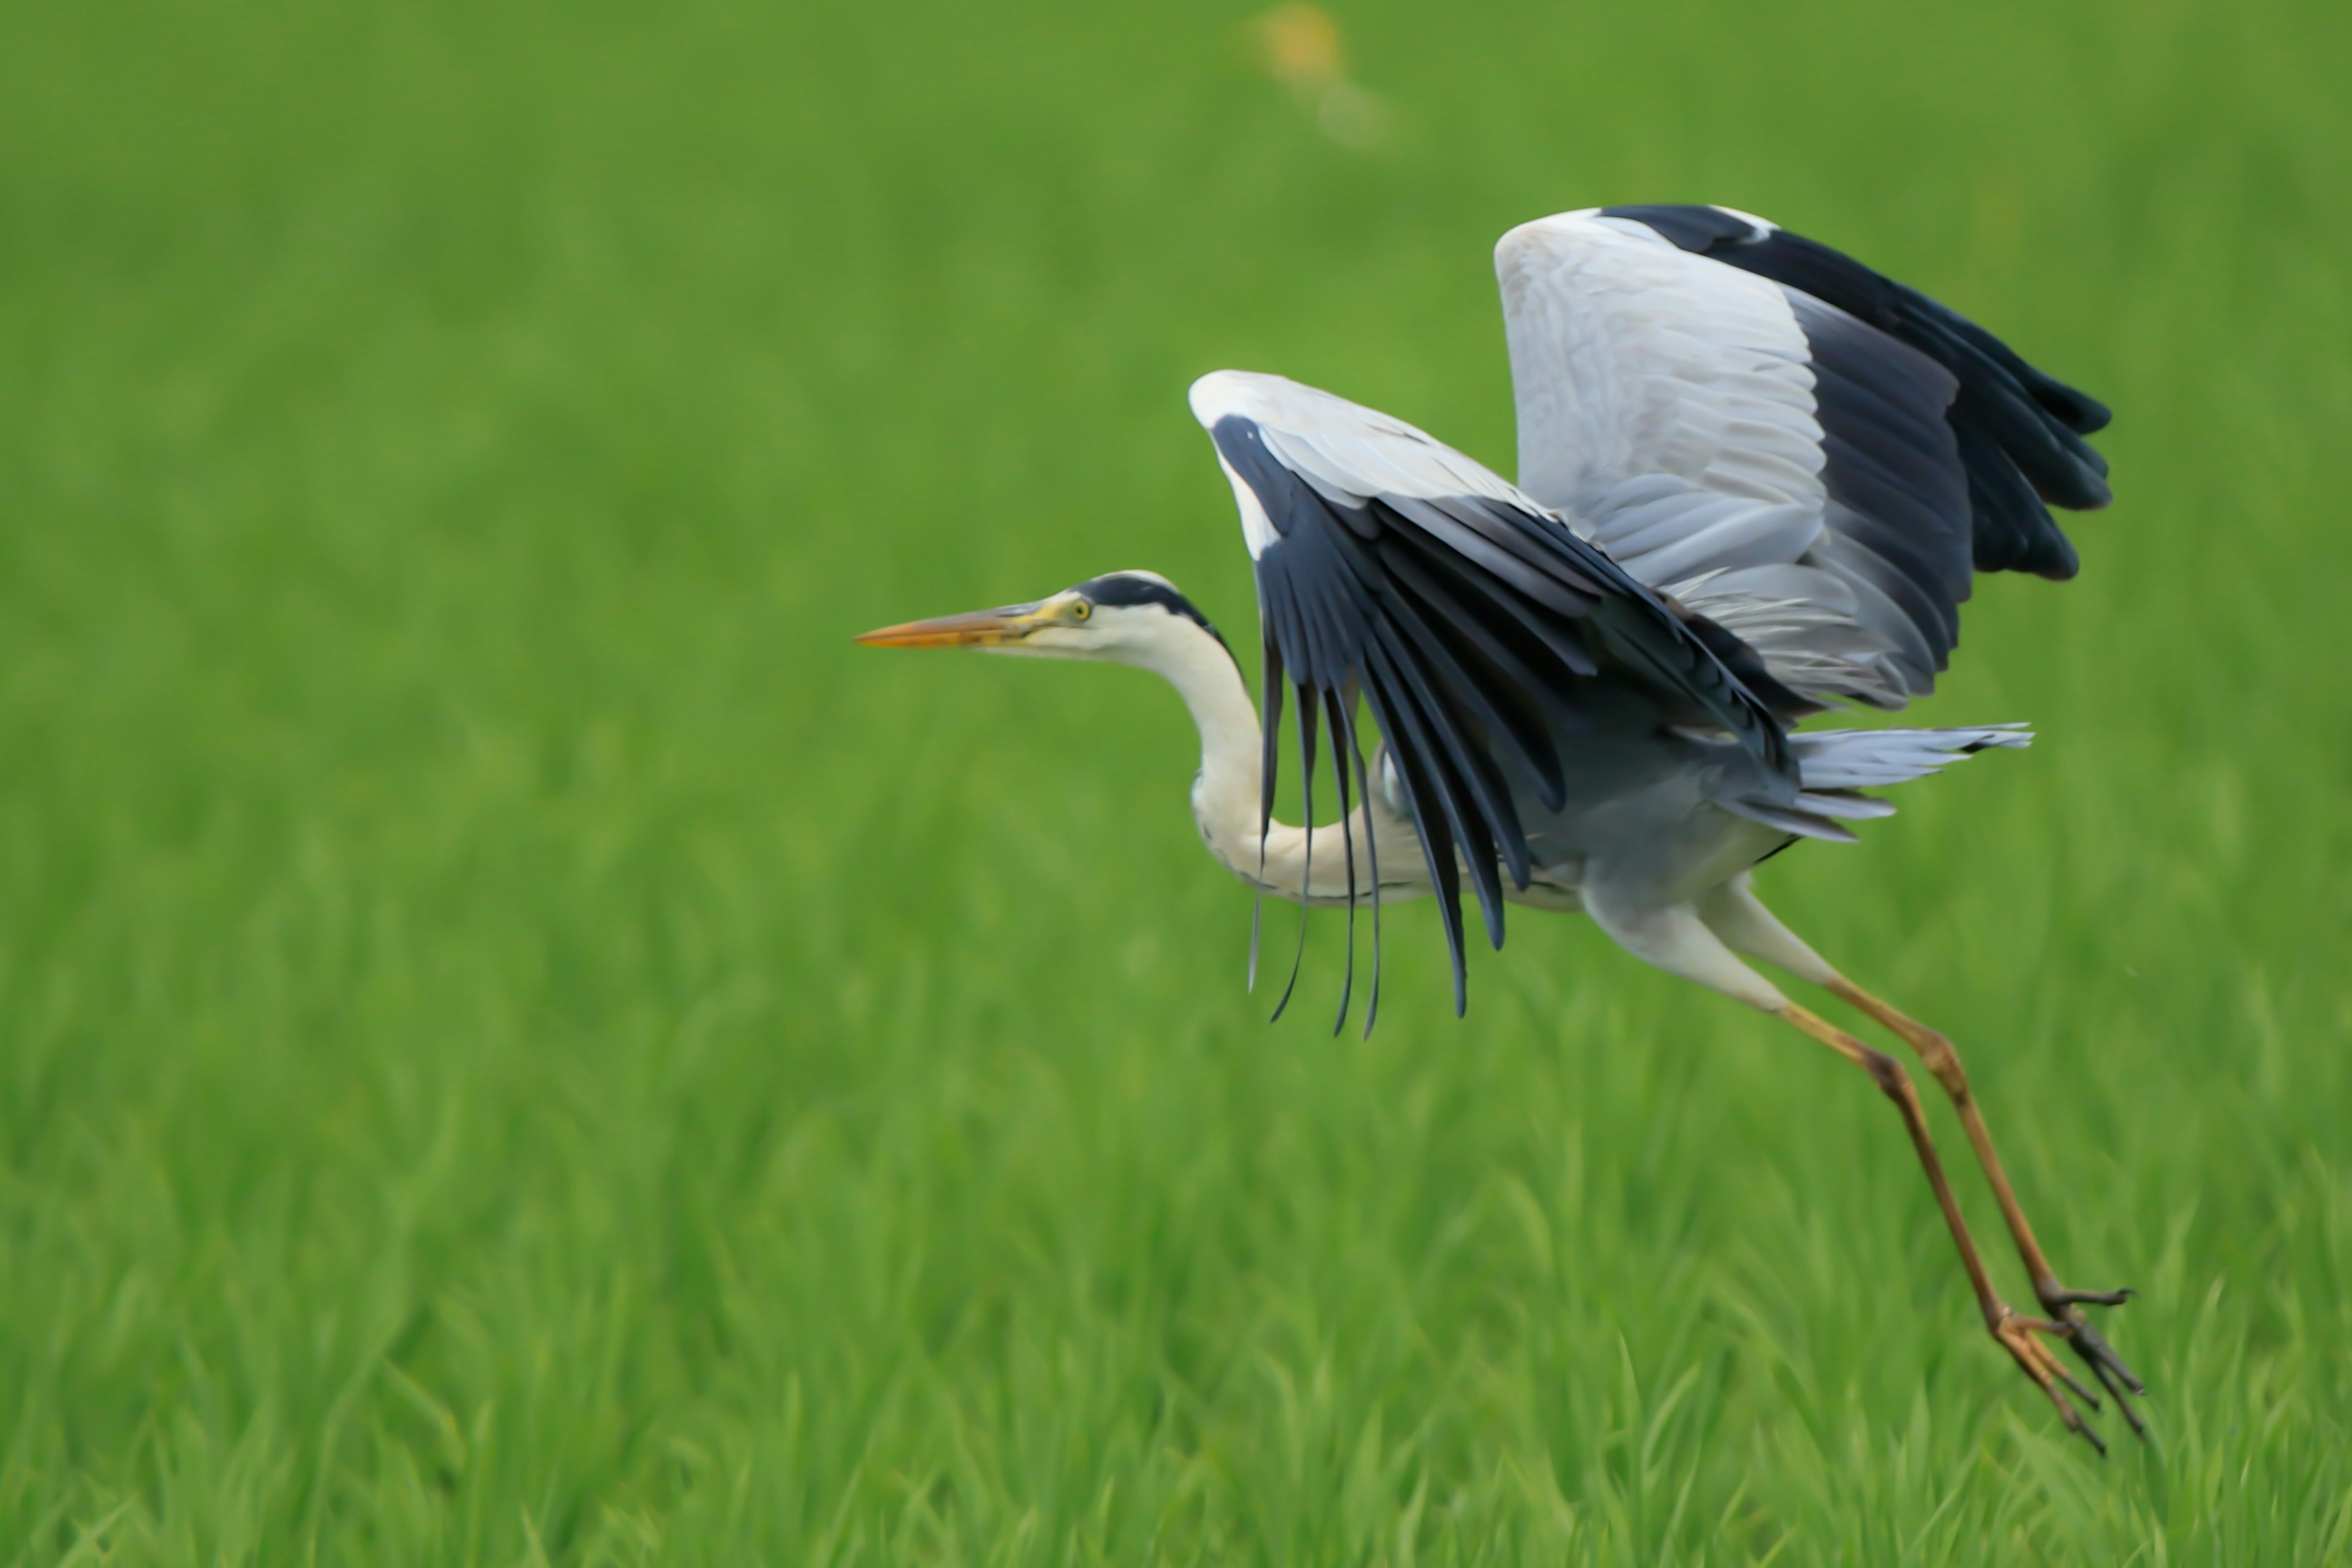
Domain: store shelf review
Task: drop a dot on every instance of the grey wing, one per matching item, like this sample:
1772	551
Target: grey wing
1467	615
1822	486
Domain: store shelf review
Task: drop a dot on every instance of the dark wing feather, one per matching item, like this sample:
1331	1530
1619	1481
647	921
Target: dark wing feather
2020	431
1471	619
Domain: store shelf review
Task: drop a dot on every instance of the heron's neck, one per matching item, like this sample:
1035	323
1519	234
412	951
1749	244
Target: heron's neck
1225	793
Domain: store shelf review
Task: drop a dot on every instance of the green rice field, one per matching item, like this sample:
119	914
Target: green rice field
519	1044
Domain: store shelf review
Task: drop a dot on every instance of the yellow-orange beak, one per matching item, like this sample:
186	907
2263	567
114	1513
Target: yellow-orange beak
975	628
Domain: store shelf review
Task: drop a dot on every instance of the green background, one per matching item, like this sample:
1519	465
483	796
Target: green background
519	1043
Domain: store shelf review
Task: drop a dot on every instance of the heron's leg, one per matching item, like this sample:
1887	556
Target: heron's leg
1677	940
1734	913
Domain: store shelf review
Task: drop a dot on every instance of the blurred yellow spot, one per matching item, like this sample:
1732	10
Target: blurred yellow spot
1300	46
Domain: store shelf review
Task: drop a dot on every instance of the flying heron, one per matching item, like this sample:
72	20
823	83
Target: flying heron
1756	480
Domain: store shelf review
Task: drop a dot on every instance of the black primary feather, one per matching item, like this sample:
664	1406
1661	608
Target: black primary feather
1307	709
1341	737
2020	430
1472	628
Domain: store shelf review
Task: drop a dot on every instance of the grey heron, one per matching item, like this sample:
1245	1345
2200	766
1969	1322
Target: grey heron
1755	480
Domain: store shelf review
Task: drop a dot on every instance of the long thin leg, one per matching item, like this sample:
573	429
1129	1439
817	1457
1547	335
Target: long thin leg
2012	1328
2057	1300
1677	940
1734	913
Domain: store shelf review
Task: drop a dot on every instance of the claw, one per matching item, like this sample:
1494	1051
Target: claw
2062	1296
2071	1381
2016	1333
2131	1417
2092	1348
2111	1374
2102	1357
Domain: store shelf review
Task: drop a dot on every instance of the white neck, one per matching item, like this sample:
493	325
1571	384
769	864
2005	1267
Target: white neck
1225	793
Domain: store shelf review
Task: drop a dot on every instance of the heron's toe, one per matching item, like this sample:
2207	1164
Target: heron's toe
2091	1347
2021	1337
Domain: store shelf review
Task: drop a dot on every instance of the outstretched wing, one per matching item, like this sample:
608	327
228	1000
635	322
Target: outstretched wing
1467	615
1808	453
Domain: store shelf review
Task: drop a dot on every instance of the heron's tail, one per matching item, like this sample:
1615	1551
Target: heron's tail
1871	759
1833	764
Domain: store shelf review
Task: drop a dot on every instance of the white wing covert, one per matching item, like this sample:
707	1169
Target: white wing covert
1700	394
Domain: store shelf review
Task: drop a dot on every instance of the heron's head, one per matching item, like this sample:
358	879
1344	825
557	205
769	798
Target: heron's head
1127	617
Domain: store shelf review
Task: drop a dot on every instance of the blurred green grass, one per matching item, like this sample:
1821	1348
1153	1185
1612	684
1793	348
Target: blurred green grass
519	1044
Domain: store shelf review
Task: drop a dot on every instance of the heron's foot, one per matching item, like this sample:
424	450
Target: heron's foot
2091	1347
2018	1335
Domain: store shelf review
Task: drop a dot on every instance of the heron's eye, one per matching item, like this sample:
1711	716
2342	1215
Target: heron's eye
1080	610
